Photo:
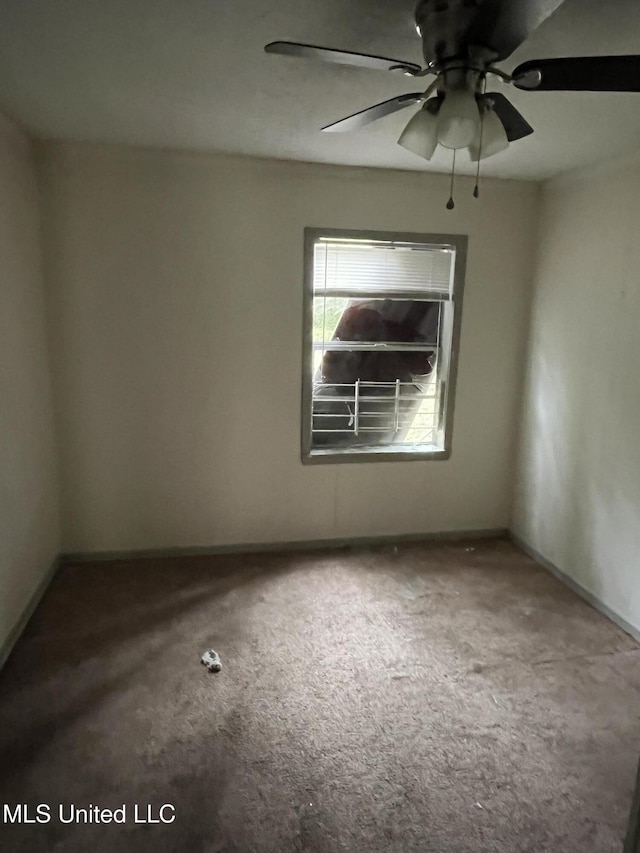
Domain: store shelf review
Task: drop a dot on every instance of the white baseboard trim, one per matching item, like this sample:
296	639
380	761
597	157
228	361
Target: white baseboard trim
566	579
6	647
296	545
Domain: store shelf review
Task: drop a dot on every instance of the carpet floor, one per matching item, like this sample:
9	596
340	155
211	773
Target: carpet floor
446	697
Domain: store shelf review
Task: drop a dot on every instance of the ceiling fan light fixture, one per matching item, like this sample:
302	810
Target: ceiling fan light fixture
458	119
494	138
420	136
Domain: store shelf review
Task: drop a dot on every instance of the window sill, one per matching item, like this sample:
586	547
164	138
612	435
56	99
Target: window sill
382	454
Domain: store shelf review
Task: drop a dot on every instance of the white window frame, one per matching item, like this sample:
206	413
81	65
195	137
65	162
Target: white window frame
388	452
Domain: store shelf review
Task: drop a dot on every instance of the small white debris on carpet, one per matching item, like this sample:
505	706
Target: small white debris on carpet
211	660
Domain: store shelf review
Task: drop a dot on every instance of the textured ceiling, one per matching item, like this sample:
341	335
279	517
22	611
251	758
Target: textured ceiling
192	74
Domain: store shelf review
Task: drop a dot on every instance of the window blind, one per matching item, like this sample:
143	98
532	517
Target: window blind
342	265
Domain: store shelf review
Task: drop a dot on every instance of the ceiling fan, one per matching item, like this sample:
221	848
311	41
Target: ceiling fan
461	42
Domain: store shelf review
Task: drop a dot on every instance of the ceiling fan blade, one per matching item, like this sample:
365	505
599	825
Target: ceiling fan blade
502	25
341	57
580	74
515	125
364	117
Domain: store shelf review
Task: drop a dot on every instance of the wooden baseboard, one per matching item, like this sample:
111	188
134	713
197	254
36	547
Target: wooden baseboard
576	587
14	635
302	545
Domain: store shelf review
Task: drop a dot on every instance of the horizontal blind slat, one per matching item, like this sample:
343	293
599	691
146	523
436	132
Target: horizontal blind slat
348	266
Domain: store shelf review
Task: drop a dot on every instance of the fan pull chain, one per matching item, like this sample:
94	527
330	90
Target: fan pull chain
451	203
476	189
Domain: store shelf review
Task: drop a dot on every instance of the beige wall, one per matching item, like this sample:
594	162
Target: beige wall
29	530
177	296
578	493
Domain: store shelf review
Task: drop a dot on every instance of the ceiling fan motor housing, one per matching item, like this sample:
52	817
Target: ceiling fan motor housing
444	26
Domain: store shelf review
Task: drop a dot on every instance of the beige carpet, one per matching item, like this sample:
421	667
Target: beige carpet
442	698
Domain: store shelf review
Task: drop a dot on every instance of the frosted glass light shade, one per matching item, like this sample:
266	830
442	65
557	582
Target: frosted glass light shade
494	138
458	119
420	136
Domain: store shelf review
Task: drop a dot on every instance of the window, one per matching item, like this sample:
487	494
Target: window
382	319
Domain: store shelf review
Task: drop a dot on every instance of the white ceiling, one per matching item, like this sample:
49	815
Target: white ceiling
192	74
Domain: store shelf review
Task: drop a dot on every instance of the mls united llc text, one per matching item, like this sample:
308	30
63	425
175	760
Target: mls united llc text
70	813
